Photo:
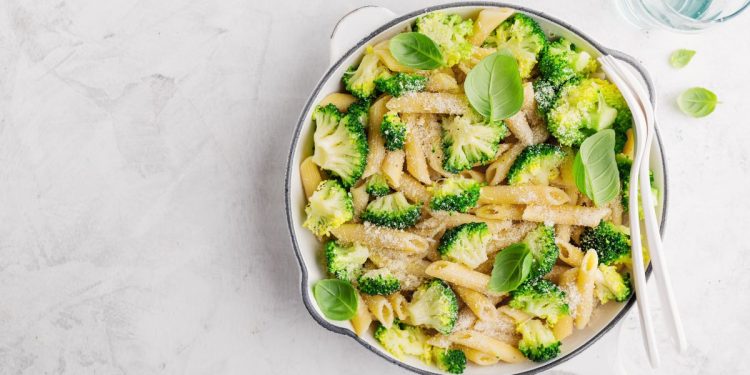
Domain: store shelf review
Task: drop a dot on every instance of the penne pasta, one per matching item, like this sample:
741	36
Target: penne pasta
452	219
360	198
376	236
375	142
587	275
565	214
442	82
500	212
498	170
340	100
564	327
393	166
413	189
520	128
362	319
479	357
523	194
457	274
570	254
310	176
381	309
477	341
398	304
430	102
479	304
416	163
472	175
487	21
383	51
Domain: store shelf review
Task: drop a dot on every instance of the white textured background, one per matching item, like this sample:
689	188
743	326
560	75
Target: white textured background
142	153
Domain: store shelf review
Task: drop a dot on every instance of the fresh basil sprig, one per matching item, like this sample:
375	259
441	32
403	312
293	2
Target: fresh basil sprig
680	58
416	50
511	268
494	87
697	102
336	298
595	168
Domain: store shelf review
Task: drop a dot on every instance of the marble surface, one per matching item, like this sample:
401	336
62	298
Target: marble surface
142	153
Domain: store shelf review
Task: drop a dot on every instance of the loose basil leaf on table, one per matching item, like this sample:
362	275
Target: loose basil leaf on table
337	299
494	87
511	268
680	58
697	102
595	168
416	50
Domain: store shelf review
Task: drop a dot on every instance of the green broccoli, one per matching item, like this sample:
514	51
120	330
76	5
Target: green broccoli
402	339
360	111
538	343
345	262
468	142
378	282
377	186
455	194
523	38
584	107
561	60
623	166
400	83
542	299
434	305
466	243
611	243
450	32
360	81
328	208
613	286
394	131
545	94
541	243
340	143
536	165
393	211
452	361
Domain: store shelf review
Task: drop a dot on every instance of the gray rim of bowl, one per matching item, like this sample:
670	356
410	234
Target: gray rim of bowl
301	122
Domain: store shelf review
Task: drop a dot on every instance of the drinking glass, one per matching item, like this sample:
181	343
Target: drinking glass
681	15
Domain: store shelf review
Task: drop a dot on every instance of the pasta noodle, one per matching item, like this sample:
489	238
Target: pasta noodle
383	51
430	102
523	194
487	21
416	163
362	319
340	100
375	142
479	304
381	309
413	189
479	357
569	253
570	215
473	175
500	212
564	327
587	275
392	168
381	237
310	176
477	341
398	304
442	82
359	199
457	274
520	128
498	170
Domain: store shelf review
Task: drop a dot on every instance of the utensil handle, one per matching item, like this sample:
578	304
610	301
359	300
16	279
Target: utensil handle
355	26
661	270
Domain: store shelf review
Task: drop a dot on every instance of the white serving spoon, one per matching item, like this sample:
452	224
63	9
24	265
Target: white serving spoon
656	251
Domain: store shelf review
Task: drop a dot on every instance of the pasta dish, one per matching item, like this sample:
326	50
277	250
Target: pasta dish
468	186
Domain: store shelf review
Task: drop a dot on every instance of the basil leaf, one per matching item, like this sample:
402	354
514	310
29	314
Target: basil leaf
337	299
416	50
595	168
678	59
697	102
512	267
494	87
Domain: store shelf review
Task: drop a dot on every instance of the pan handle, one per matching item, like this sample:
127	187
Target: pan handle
355	26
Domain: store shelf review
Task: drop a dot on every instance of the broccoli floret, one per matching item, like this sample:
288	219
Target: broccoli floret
360	81
360	111
400	83
378	282
452	361
611	243
434	305
402	339
523	37
340	143
561	60
541	243
584	107
613	286
466	243
393	211
623	166
377	186
455	194
545	94
329	207
394	131
538	343
468	142
540	298
345	262
450	32
536	165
